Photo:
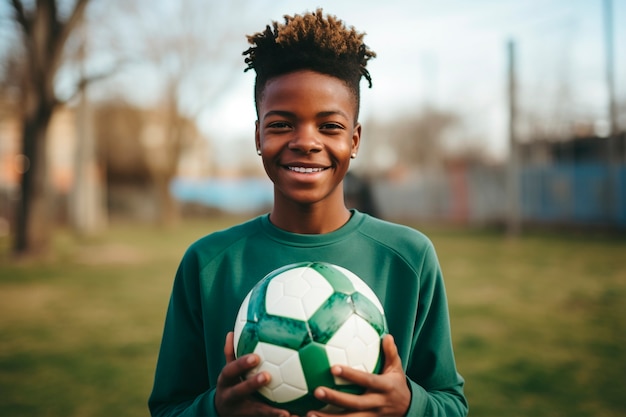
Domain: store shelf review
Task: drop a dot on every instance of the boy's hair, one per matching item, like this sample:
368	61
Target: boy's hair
309	41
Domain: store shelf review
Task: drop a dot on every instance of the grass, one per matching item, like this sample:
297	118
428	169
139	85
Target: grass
539	322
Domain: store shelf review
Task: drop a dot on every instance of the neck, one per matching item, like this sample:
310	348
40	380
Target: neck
309	219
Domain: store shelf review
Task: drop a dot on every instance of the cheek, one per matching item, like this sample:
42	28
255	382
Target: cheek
269	170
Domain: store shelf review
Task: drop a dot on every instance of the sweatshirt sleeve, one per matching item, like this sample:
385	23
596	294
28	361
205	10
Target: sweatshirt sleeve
436	386
181	385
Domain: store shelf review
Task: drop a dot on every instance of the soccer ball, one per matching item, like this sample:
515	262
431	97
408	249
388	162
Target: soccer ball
302	319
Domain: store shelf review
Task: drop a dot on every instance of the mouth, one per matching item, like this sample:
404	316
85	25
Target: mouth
305	170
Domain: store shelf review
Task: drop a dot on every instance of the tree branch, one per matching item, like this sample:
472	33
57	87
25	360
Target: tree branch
20	16
53	24
88	80
63	30
72	21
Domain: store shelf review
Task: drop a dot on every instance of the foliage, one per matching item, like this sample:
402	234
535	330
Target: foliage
539	322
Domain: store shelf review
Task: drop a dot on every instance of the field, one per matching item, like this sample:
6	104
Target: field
539	322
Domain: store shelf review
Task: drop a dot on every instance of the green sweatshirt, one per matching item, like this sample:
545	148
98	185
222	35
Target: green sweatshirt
218	270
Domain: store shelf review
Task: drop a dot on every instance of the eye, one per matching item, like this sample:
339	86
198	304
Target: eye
278	125
331	126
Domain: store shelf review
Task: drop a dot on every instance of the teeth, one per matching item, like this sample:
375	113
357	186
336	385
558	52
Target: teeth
306	170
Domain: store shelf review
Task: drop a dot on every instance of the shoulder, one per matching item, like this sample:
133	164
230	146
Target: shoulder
213	244
394	235
400	242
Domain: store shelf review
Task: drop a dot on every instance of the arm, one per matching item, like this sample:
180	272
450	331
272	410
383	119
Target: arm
234	394
430	386
391	393
387	394
182	387
436	386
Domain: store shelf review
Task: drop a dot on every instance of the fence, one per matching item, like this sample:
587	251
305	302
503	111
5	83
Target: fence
583	194
577	194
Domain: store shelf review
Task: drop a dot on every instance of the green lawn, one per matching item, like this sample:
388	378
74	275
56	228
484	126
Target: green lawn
539	322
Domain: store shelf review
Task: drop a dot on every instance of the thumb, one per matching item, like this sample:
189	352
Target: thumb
229	347
390	350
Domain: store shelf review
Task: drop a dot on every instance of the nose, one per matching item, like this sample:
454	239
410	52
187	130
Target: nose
305	140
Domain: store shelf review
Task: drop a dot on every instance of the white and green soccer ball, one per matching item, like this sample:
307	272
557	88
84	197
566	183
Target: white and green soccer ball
302	319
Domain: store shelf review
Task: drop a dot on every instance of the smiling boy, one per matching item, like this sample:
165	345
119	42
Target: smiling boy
308	71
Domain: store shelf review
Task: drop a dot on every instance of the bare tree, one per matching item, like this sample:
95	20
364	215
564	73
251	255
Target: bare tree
419	139
10	68
195	62
45	32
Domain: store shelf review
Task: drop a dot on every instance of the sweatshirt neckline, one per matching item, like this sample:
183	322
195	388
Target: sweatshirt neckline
299	239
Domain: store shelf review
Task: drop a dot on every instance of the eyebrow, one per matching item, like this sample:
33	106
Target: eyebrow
288	114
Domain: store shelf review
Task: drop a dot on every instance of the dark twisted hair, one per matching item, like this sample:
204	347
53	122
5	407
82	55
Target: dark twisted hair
309	41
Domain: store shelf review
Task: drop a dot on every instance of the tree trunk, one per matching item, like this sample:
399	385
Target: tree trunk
33	214
88	212
169	214
45	36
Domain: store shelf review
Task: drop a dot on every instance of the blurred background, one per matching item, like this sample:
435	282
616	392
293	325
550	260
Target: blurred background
127	130
501	112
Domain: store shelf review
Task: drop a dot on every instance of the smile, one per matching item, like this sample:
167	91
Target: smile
305	170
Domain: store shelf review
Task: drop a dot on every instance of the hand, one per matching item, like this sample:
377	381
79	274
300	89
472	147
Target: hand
233	393
386	394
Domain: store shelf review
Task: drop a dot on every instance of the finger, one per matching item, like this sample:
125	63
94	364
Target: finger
392	363
232	384
355	376
390	350
238	368
346	400
229	347
247	386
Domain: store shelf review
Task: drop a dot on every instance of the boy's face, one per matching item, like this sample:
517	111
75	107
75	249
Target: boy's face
306	133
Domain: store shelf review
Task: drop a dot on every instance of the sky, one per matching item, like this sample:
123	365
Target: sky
453	54
447	54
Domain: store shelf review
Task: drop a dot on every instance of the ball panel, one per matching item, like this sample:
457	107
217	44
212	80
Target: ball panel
283	305
296	293
330	316
284	393
275	381
320	289
361	345
367	309
256	303
362	287
287	377
293	376
293	282
283	331
355	344
282	299
316	366
335	277
241	319
248	339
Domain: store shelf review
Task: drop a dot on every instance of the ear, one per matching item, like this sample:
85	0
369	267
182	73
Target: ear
257	135
356	138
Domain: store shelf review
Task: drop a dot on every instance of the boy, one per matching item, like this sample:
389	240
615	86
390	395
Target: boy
307	100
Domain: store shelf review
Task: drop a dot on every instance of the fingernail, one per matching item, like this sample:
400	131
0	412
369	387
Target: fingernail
261	378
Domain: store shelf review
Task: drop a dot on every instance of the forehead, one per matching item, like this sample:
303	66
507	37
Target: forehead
307	88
